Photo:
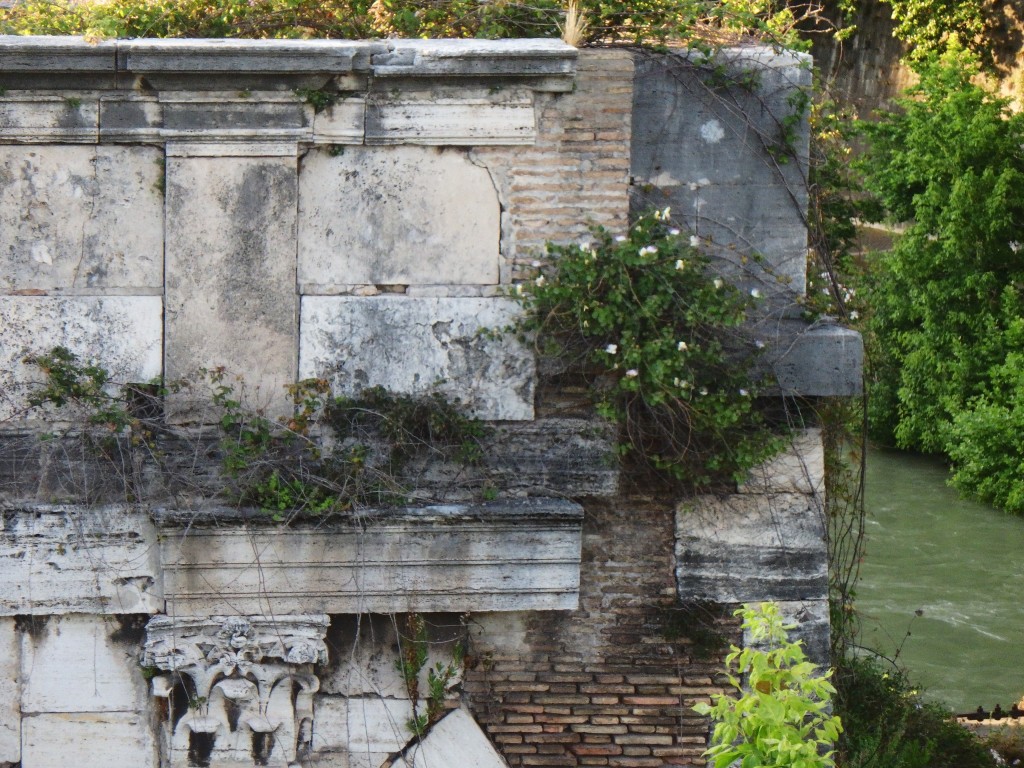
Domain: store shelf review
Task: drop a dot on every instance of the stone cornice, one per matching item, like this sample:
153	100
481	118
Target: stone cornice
550	63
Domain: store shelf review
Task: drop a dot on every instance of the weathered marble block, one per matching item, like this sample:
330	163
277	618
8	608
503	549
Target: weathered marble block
81	219
500	556
396	215
121	333
455	740
417	345
452	121
75	663
10	692
57	560
88	740
230	275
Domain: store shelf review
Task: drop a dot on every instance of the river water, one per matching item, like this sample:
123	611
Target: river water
949	572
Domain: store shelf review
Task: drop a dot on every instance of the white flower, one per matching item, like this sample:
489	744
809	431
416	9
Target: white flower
759	344
854	314
680	264
755	292
682	346
584	247
694	241
519	289
744	393
632	373
681	383
703	390
535	264
718	283
674	232
611	349
1014	246
620	238
665	214
539	281
648	249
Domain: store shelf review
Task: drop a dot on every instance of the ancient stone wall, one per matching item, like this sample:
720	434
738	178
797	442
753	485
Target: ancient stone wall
273	211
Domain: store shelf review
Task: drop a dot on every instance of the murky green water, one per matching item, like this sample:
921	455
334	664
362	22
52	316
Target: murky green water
961	565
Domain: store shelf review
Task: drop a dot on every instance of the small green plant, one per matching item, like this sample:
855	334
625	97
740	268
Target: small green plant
317	98
413	652
779	714
657	334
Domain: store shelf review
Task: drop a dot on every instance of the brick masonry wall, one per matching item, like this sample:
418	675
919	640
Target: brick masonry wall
577	172
606	684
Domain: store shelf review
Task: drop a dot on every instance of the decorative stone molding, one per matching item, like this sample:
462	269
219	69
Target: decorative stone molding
247	684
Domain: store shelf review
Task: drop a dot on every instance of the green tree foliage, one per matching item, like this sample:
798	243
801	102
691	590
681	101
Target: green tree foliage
647	21
947	300
779	716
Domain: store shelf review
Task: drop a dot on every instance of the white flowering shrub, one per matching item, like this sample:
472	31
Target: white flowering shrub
658	336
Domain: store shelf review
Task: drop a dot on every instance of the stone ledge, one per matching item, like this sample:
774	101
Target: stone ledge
822	359
507	556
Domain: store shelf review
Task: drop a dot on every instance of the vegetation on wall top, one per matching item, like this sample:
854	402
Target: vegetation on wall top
589	21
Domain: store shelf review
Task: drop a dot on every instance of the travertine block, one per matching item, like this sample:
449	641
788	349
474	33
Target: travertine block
230	275
81	219
420	559
331	716
56	117
455	740
73	664
746	548
88	740
452	121
396	215
10	692
56	560
415	345
798	468
379	726
121	333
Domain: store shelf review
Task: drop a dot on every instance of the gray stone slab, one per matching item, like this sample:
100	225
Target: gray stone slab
751	548
130	117
455	740
81	219
396	215
234	116
10	692
491	58
243	56
96	740
420	345
452	121
341	123
486	557
19	53
230	272
121	333
823	359
37	117
77	663
64	559
708	141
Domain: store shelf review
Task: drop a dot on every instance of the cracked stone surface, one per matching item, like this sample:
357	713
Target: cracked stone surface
396	215
416	345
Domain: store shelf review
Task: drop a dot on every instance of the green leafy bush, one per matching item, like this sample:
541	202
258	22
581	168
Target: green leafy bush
946	300
886	725
779	715
649	21
658	336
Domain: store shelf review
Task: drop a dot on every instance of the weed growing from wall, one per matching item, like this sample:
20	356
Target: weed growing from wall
658	337
779	713
332	454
